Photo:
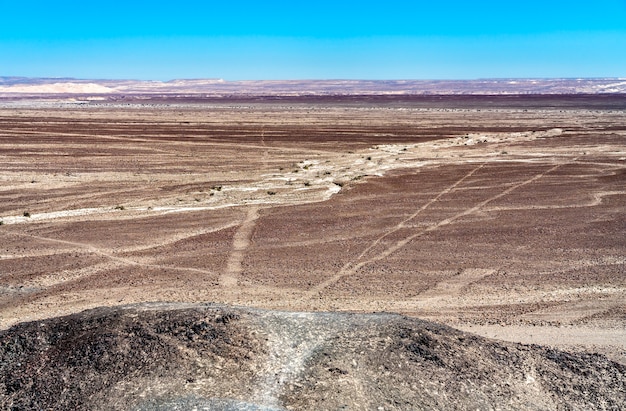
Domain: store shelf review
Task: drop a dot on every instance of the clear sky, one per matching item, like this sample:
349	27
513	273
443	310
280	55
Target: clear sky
238	40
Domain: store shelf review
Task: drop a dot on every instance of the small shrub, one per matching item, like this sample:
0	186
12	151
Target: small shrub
26	214
307	184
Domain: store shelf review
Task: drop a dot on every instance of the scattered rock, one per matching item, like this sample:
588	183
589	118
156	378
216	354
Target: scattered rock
203	356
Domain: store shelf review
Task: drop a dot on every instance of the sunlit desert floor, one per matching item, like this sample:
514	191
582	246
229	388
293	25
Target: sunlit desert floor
506	221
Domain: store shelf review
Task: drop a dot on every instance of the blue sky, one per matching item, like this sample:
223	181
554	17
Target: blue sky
240	40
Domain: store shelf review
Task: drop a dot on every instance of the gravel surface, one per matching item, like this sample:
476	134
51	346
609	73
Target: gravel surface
202	356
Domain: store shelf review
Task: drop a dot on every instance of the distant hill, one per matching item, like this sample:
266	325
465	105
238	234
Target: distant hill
20	86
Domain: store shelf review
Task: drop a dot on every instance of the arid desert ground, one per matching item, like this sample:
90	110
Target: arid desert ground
505	217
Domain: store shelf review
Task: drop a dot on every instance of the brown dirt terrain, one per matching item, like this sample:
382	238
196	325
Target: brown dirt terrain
506	220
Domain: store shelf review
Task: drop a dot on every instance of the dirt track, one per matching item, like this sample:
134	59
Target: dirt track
506	221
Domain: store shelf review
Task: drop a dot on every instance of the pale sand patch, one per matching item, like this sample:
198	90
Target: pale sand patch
57	88
608	341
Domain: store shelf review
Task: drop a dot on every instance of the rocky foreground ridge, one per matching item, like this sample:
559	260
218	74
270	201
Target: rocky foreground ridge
183	356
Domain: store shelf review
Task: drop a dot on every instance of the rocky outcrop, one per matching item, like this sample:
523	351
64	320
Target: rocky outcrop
180	356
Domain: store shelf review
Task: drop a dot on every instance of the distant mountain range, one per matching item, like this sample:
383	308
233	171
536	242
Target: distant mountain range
24	86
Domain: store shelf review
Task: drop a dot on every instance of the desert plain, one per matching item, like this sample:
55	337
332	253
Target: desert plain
501	216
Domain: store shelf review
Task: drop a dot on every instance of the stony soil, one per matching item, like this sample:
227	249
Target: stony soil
500	216
176	356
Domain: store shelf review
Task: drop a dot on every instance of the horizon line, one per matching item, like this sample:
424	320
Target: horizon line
310	79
